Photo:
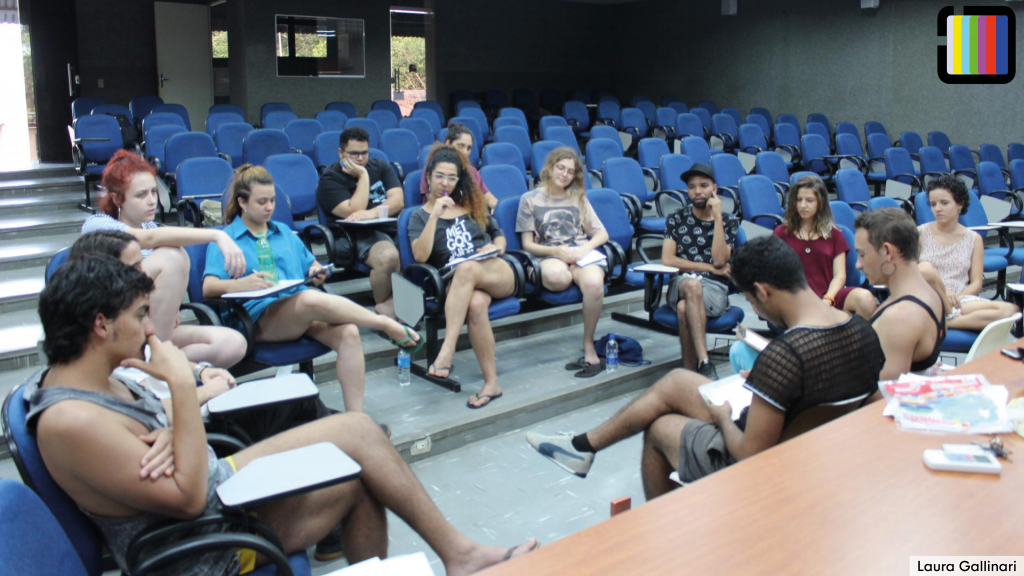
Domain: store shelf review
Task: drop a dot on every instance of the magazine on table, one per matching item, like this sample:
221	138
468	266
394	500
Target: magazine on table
450	266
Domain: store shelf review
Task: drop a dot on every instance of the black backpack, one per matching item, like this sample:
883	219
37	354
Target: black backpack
129	134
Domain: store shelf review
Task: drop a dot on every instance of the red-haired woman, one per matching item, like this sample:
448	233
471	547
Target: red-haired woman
130	206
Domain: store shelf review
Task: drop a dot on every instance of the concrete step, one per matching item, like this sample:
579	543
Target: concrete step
20	288
41	225
36	171
20	253
40	186
41	203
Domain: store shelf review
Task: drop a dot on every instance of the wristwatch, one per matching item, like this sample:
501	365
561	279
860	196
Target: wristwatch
198	370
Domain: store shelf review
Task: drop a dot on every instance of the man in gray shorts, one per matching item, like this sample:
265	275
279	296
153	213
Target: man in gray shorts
826	355
699	240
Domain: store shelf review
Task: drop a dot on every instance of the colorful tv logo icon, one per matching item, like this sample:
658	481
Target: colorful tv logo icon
980	45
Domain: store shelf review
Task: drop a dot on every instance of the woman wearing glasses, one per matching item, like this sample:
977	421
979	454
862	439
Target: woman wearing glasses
558	224
460	138
453	224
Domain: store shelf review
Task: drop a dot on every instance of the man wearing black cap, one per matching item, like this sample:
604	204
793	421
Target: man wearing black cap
699	240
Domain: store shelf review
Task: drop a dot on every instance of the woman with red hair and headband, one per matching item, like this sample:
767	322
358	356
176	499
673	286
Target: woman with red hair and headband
130	206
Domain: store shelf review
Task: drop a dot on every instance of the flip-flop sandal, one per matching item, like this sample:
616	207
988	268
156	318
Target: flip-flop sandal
510	551
402	343
591	370
490	398
434	369
579	364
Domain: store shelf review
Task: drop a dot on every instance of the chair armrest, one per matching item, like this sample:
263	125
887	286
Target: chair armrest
644	238
733	194
573	123
593	172
676	195
748	149
654	177
634	206
530	265
670	131
319	232
794	151
191	547
227	442
205	314
616	261
924	174
863	205
296	150
727	139
236	309
609	121
519	275
398	170
1006	240
908	205
632	130
916	180
427	277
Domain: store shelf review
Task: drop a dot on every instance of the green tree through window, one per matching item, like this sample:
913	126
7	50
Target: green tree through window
406	50
220	43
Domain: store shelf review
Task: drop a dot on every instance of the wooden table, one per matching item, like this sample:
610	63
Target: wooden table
851	497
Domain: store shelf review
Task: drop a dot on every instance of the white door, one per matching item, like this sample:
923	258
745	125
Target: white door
184	58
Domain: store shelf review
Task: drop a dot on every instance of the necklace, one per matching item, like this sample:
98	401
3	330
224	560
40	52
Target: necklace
807	241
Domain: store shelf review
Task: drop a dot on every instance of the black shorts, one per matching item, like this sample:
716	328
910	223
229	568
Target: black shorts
702	451
364	239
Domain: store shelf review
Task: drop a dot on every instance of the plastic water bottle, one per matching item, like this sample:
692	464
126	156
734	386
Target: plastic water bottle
265	255
611	354
404	367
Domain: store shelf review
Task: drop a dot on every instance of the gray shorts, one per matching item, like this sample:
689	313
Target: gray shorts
702	451
716	294
364	239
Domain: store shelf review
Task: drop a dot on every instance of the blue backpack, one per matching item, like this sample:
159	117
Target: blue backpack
631	353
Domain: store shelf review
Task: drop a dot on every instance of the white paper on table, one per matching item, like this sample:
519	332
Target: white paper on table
405	565
1016	287
280	286
592	257
477	256
656	268
369	222
896	189
730	389
747	160
751	338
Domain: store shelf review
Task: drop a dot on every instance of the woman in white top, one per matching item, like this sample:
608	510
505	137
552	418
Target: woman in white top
956	255
130	206
557	223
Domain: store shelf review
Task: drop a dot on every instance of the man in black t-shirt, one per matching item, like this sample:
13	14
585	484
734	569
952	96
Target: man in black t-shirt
825	356
353	189
699	239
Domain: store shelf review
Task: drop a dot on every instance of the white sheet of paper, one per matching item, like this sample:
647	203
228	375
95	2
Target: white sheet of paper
748	161
656	269
752	339
1007	224
405	565
730	390
895	189
592	257
478	256
364	568
281	286
371	222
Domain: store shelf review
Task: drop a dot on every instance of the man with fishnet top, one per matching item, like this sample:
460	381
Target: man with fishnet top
826	355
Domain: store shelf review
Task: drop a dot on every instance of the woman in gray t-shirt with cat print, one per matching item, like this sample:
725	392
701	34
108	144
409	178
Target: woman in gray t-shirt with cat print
557	223
455	223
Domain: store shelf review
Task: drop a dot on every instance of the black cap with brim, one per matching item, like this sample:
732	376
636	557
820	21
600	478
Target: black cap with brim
698	169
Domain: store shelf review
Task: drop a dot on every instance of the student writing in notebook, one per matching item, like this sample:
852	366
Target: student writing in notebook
558	224
299	311
826	355
455	223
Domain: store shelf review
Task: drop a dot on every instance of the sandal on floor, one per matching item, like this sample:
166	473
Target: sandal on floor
490	398
578	364
510	551
434	369
408	339
591	370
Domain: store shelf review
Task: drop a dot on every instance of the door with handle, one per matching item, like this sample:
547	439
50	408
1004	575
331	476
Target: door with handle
184	58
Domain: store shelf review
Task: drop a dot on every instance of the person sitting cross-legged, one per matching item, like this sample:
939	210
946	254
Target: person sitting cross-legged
826	355
90	429
699	240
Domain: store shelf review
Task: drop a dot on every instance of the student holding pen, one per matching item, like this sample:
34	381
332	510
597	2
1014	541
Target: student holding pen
296	311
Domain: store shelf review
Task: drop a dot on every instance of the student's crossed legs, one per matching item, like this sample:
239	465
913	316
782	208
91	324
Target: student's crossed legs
469	296
333	321
693	321
556	276
386	483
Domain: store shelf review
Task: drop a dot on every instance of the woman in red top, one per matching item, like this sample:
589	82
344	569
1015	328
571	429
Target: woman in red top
811	232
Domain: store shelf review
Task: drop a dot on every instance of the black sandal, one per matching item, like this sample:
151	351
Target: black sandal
591	370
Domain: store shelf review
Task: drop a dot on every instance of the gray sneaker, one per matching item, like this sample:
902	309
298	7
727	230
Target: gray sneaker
707	370
558	449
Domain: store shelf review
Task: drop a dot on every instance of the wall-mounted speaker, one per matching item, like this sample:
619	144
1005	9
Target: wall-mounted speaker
729	7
